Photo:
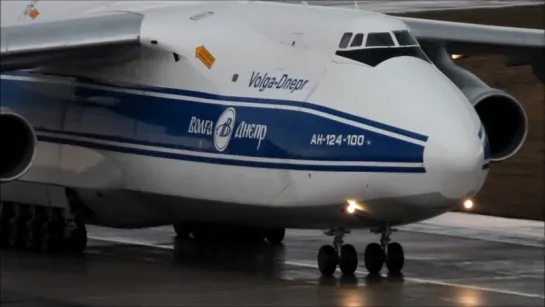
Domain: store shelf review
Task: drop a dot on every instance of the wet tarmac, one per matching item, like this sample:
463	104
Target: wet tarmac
151	268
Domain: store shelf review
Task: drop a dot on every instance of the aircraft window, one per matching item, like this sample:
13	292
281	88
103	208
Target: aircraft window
357	41
404	38
345	40
375	56
383	39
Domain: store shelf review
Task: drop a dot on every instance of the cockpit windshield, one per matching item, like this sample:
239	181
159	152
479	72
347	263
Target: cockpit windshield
404	38
379	40
375	48
345	40
357	41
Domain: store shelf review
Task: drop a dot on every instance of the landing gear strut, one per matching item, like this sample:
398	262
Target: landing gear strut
343	255
391	254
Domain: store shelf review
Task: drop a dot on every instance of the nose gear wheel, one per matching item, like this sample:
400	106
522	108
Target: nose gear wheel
376	255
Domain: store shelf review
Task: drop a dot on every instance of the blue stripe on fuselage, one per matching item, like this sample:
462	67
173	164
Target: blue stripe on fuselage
197	94
164	123
286	166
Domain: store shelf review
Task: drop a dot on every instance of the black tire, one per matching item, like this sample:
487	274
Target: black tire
76	239
17	232
52	236
348	262
374	258
34	234
395	259
275	236
327	260
6	213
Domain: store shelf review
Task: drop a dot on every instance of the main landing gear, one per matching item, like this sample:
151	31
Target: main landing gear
346	258
40	228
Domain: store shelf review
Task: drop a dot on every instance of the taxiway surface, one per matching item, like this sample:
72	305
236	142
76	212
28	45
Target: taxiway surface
465	263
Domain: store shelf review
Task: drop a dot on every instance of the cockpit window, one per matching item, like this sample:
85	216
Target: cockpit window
345	40
380	47
404	38
383	39
375	56
357	41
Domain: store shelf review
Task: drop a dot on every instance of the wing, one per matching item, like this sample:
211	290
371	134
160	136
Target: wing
467	38
520	46
35	44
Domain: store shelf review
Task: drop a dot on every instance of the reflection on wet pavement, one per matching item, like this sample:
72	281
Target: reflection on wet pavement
262	259
161	271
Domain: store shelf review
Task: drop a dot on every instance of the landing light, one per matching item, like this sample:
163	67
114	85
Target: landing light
457	56
468	204
353	206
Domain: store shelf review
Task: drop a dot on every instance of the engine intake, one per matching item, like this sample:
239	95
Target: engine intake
538	66
18	146
502	116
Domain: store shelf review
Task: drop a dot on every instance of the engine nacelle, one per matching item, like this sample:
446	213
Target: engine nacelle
18	145
502	116
538	66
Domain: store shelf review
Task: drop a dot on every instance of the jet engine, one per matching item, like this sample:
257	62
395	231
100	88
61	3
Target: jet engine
503	117
538	66
18	145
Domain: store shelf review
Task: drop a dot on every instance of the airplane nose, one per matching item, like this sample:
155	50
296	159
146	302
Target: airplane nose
454	163
426	101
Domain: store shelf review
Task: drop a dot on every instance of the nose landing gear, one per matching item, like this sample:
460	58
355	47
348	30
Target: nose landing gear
391	254
375	257
343	255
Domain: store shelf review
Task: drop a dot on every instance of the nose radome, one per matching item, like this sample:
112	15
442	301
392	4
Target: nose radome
461	155
454	162
428	102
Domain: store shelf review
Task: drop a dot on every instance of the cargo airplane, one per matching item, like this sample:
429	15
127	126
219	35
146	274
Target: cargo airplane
239	119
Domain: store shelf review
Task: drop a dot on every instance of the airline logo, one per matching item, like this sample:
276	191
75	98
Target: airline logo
283	82
225	129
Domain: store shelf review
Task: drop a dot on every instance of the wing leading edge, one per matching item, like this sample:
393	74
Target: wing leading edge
473	38
35	44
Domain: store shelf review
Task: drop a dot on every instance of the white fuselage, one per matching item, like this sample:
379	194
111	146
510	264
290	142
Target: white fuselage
280	130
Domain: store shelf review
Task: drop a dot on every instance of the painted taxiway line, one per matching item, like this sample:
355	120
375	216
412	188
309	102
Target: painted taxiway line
314	266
